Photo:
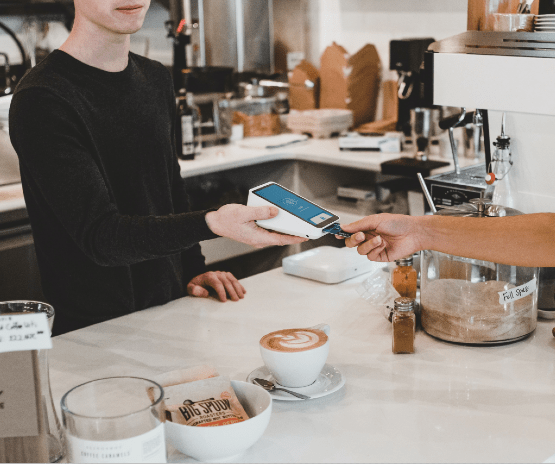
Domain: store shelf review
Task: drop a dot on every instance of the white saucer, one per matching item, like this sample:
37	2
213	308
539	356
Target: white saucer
330	380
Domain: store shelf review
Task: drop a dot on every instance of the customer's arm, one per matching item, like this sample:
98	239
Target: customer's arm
526	240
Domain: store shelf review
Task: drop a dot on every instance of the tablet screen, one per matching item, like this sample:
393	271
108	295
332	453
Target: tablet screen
296	205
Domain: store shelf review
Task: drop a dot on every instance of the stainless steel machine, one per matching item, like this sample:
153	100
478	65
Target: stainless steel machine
510	76
237	33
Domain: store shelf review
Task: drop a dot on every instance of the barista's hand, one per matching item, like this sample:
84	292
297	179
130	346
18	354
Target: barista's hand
384	237
237	223
224	283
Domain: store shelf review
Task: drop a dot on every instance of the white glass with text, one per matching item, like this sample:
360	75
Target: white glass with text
116	419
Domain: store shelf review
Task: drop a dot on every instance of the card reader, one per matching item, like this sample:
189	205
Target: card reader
297	215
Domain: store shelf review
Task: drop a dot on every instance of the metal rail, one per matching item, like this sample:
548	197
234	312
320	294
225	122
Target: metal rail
532	44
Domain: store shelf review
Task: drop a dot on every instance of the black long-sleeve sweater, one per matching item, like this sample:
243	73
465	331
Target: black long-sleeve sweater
110	216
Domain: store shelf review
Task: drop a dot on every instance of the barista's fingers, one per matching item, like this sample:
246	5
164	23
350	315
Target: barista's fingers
214	281
197	290
229	288
254	213
265	238
354	240
236	284
366	247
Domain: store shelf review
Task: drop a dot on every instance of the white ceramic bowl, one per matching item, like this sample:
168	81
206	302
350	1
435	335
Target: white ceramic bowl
225	441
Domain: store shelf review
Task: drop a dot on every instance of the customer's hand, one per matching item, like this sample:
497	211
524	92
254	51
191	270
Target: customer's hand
384	237
223	283
237	223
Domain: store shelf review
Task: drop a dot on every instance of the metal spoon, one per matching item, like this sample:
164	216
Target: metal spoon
269	386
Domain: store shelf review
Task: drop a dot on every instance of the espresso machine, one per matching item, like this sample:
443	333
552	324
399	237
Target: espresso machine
406	57
507	76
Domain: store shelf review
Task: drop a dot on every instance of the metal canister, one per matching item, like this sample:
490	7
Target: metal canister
472	301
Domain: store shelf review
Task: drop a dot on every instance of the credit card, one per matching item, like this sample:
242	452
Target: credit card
336	229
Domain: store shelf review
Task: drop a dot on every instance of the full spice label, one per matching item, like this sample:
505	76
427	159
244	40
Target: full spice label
517	293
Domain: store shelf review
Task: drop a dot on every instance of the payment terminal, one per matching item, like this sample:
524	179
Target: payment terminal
297	215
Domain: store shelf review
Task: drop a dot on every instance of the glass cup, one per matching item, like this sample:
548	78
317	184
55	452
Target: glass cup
53	429
116	419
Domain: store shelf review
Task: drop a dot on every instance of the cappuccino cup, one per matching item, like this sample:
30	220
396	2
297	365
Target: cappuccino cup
295	357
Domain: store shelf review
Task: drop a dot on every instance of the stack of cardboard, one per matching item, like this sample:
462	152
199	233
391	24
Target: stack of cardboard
351	81
304	87
345	82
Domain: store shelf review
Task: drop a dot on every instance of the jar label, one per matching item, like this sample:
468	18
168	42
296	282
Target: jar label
148	447
517	293
24	332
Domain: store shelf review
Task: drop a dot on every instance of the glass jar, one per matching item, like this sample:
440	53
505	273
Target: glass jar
404	277
54	436
403	325
477	302
115	419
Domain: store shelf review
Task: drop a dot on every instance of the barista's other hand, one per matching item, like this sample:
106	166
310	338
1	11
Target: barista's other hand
223	283
384	237
237	223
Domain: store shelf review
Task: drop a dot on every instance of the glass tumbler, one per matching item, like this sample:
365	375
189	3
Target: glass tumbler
54	432
116	419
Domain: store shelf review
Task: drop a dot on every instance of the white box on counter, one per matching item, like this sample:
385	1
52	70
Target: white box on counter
328	264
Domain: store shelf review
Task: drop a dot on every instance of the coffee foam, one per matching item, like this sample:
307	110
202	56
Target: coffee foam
291	340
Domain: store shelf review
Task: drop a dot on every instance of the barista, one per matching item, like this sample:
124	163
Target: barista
92	125
524	240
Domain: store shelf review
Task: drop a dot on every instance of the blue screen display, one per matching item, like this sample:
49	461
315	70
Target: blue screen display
294	204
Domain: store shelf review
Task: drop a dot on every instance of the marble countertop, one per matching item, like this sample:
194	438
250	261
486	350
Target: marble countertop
444	403
223	157
324	151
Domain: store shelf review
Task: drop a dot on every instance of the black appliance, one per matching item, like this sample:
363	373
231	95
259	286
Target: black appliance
406	57
546	7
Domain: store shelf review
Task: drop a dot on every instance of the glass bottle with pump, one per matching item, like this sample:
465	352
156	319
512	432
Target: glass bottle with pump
403	325
184	128
404	277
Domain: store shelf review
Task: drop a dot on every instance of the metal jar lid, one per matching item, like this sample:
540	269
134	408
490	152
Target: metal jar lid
478	207
404	304
406	261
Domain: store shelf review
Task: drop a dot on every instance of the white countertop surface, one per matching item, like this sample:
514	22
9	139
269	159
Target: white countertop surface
445	403
223	157
325	151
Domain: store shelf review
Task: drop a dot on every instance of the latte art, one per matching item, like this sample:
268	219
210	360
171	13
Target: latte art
294	339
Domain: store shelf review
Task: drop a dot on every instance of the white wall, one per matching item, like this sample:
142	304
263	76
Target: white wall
354	23
152	36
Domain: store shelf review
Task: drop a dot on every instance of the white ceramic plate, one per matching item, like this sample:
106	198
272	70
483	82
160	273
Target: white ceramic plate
329	381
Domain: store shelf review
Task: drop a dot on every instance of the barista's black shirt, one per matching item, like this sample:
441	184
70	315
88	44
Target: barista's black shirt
110	216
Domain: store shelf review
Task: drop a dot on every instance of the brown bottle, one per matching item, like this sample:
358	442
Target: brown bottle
404	325
404	277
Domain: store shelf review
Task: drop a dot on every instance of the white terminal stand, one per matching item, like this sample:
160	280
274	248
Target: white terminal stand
285	222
